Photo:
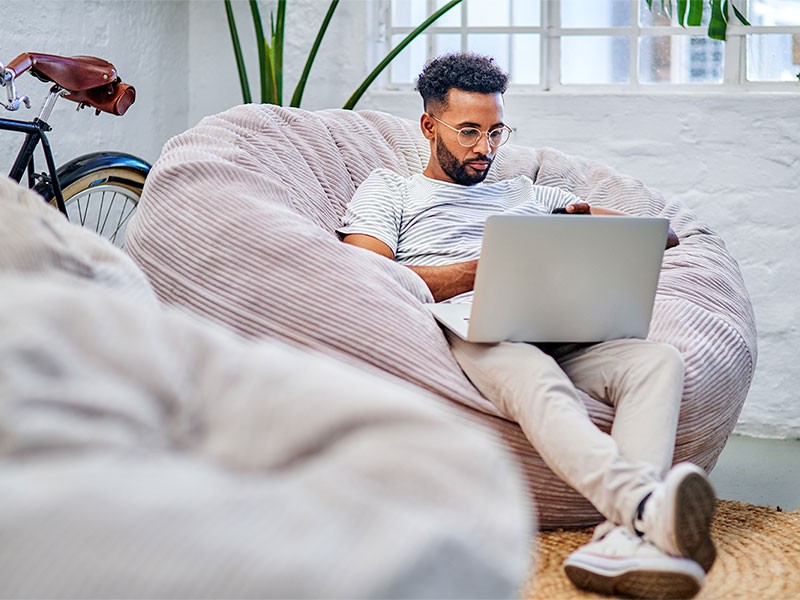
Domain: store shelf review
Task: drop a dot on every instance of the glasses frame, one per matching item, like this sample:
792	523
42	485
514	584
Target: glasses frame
480	136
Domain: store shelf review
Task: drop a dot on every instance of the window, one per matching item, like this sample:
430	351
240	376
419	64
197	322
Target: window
620	44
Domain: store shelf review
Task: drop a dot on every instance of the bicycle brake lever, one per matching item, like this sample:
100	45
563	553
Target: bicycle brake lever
11	93
14	104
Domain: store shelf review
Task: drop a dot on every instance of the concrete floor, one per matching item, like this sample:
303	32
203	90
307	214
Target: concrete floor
758	471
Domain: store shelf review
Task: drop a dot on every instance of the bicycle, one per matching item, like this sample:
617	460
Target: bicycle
101	190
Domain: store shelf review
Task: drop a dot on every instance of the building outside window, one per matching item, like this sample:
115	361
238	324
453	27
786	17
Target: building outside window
621	44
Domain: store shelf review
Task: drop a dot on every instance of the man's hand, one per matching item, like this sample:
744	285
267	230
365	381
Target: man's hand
578	208
672	239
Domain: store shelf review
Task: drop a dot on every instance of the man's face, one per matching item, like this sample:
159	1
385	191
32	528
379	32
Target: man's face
450	161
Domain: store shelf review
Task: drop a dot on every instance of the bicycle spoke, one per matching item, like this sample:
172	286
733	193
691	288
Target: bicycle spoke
106	209
100	212
82	214
123	218
108	212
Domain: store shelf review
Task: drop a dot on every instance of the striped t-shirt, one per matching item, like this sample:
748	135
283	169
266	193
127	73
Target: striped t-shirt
427	222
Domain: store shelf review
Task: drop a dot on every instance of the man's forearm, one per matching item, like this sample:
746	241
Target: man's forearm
672	237
449	280
599	210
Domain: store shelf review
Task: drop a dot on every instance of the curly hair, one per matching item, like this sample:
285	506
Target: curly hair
465	71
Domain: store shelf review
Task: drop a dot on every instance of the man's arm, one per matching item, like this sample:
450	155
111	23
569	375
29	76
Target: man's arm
584	208
448	281
369	243
444	281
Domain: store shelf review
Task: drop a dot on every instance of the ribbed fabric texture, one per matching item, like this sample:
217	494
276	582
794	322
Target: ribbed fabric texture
147	454
237	224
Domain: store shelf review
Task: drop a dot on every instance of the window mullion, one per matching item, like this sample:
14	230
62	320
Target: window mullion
735	72
735	59
430	38
551	17
464	38
634	38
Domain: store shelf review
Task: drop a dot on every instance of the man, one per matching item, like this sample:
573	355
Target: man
655	541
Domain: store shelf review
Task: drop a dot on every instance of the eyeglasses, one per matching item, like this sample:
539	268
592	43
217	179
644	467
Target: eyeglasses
469	136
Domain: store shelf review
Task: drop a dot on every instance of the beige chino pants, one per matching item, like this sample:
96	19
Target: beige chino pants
642	380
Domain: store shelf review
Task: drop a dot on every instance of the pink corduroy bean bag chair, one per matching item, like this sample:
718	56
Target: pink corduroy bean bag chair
237	224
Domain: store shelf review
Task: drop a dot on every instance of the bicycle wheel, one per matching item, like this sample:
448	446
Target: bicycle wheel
101	191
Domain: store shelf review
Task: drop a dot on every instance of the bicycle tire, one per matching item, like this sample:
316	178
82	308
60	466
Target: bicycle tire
101	191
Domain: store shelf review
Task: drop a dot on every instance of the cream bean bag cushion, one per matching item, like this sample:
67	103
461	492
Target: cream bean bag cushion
147	454
237	224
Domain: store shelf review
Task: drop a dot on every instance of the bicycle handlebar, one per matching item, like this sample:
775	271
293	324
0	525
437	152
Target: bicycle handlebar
88	80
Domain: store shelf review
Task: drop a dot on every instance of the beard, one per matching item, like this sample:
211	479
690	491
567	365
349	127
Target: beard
457	171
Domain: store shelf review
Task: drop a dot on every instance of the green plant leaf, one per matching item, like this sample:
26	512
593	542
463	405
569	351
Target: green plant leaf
353	100
237	52
718	25
742	19
261	45
695	15
272	88
681	16
277	51
297	97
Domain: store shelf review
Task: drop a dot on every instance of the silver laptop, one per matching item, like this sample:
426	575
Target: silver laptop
562	278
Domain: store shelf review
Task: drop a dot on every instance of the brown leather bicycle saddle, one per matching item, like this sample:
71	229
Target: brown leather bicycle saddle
90	80
74	73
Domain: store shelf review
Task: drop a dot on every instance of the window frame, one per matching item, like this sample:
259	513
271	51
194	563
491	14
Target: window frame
550	32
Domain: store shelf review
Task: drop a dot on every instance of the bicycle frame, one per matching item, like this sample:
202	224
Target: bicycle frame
36	133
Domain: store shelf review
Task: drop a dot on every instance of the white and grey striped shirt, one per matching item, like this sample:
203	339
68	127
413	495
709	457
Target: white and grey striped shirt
430	222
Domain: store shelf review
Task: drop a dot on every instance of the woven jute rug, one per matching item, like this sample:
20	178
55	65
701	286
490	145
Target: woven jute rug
758	557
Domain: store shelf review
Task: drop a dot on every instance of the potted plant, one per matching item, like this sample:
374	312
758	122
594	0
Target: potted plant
270	53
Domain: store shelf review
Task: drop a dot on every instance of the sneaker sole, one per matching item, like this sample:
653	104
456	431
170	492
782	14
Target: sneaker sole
635	584
695	502
705	555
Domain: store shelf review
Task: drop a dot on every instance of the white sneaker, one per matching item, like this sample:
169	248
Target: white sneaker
622	563
677	516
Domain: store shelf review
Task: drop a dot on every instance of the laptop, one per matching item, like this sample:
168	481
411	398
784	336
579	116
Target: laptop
561	278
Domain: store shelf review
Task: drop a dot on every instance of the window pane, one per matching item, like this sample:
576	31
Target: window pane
526	13
525	59
773	12
597	13
452	18
595	59
517	54
773	57
481	13
409	13
496	45
680	59
408	64
445	43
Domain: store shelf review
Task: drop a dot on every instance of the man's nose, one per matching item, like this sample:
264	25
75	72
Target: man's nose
483	146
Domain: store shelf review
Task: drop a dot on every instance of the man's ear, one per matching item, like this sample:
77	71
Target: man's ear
427	125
